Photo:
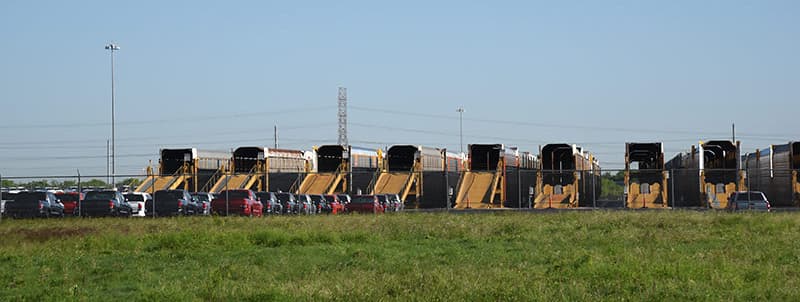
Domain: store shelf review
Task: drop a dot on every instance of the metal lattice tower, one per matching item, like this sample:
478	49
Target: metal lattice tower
342	116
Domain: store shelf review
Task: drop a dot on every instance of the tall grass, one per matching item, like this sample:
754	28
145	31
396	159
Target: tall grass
649	255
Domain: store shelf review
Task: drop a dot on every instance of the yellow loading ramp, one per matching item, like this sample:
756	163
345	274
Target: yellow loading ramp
321	183
400	183
551	197
718	200
651	197
157	182
478	190
235	181
555	197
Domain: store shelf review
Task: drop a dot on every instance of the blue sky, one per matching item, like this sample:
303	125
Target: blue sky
221	75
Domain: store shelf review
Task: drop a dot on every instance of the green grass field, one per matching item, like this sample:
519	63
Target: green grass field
573	256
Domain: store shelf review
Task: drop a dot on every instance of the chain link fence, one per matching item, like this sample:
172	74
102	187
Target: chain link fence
523	189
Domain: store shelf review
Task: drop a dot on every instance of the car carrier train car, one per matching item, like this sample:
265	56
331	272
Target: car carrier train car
187	168
646	183
421	176
263	169
494	177
774	171
569	177
342	169
520	180
707	175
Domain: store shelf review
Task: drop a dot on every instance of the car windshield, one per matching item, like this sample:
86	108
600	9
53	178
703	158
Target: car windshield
316	198
8	196
751	196
238	194
363	199
134	197
29	197
101	195
200	197
263	196
283	196
67	197
382	198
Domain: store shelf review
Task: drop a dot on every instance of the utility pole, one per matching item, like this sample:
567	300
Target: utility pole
342	116
460	111
275	135
108	166
112	47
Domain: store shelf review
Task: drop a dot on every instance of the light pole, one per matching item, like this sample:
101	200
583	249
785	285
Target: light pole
112	47
460	111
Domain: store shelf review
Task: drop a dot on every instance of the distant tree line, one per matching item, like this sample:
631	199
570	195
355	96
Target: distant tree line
66	184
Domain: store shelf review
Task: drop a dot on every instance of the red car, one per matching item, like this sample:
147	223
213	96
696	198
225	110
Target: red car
336	206
70	201
365	204
241	202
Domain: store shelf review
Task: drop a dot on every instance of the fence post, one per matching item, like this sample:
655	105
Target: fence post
152	194
227	206
672	177
1	197
519	188
594	189
80	191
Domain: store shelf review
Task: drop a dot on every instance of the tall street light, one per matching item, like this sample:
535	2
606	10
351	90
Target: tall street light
112	47
460	111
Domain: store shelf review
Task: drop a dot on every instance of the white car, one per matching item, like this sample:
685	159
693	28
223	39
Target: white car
137	201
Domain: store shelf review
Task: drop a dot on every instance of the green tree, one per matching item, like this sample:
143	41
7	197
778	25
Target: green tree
133	182
7	183
94	183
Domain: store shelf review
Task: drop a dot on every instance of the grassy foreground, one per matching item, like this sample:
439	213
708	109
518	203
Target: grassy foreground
575	256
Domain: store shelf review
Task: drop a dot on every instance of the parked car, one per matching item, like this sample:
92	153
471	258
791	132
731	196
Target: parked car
6	197
305	205
137	201
270	202
288	201
337	207
344	199
204	200
70	201
241	202
104	203
396	203
34	204
749	201
171	203
321	204
364	204
384	200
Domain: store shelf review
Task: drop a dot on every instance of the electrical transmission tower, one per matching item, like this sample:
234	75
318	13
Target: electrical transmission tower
342	116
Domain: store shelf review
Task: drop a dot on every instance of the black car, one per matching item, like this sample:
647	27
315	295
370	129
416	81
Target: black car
288	201
270	202
171	203
34	204
104	203
321	204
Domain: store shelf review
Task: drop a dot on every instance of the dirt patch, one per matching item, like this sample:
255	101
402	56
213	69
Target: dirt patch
42	235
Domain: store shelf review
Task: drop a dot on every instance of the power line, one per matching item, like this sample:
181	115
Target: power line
170	120
560	126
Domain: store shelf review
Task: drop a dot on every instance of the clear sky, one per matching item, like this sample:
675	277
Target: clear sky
218	75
